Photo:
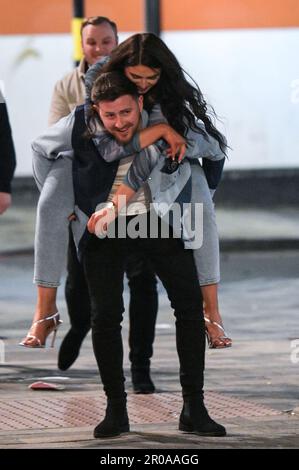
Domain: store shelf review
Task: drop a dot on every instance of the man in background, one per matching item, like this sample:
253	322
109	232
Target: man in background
99	38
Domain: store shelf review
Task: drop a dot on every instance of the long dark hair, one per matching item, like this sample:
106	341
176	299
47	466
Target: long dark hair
181	102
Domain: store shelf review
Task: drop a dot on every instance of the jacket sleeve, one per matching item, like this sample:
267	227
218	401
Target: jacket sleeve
56	139
202	145
59	104
7	151
206	147
90	77
156	116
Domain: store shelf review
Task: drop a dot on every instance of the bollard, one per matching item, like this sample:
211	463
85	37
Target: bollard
78	17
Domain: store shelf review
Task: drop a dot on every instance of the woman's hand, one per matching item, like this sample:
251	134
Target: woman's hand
177	143
100	220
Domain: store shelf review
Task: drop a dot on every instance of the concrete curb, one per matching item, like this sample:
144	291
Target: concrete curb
259	244
17	251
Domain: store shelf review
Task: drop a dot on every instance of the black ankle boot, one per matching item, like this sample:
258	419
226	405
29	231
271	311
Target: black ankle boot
70	348
141	380
116	420
195	418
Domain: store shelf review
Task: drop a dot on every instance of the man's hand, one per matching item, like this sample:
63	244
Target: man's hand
99	221
5	202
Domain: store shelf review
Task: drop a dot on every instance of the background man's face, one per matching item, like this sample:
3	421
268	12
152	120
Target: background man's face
121	117
97	42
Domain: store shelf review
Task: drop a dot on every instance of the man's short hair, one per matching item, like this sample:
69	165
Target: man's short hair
112	85
97	20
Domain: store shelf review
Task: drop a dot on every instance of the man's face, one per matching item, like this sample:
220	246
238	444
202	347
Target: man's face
97	42
121	117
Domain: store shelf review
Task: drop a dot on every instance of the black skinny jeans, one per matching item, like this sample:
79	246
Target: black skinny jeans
104	264
143	306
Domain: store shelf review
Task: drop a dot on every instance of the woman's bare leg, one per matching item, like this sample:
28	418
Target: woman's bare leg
45	307
56	203
217	336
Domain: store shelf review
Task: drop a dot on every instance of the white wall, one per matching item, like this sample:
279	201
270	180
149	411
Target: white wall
251	77
248	75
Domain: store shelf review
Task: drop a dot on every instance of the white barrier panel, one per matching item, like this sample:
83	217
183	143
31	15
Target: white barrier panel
250	76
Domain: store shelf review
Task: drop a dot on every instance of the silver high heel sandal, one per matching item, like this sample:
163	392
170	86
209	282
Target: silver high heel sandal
219	341
49	329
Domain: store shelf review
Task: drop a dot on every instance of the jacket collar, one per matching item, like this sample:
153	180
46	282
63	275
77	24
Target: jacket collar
82	67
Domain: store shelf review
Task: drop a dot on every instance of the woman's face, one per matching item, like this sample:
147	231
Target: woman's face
144	77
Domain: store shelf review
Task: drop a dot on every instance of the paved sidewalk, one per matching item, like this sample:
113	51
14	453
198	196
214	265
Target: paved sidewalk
252	388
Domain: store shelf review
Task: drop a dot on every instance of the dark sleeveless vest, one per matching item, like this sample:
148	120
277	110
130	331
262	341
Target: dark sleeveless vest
93	177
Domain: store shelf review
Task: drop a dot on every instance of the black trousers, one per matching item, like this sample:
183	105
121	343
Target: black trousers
104	264
143	306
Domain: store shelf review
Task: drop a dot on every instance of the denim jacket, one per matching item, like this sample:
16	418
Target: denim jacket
145	167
